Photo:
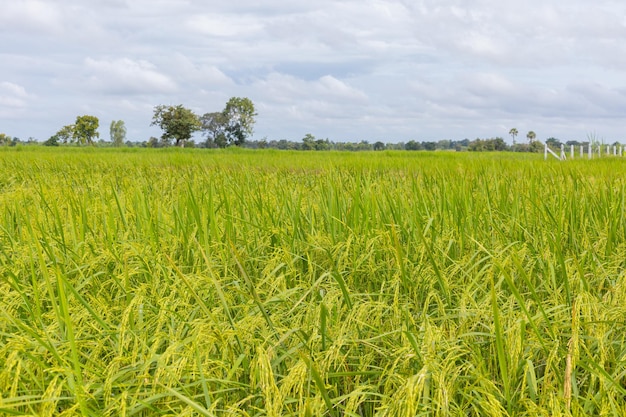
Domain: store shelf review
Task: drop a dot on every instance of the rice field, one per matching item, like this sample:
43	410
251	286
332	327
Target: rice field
242	283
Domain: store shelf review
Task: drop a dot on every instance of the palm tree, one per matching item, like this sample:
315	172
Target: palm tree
513	132
531	136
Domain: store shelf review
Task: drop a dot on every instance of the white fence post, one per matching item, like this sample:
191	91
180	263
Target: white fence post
551	152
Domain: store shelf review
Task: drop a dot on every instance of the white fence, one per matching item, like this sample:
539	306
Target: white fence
589	151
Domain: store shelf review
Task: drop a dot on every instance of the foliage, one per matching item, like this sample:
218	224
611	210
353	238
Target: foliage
413	145
531	136
118	132
64	135
536	146
5	139
231	126
480	145
52	141
85	130
214	126
240	115
311	143
177	122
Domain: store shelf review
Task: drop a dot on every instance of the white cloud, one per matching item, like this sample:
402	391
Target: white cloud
28	16
282	88
13	99
224	25
126	76
200	73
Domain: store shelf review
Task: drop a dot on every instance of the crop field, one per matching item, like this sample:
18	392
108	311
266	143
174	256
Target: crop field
267	283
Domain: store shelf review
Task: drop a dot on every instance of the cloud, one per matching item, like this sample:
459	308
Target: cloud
13	99
28	16
200	73
282	88
224	25
12	94
127	76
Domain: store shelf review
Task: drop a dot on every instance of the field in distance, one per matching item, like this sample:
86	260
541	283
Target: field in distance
268	283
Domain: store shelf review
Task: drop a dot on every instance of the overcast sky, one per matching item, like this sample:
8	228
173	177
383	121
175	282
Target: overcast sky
347	70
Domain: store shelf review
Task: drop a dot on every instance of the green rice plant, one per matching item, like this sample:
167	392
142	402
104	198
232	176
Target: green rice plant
233	282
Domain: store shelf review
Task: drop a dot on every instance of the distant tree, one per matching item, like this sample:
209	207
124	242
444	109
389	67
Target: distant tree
231	126
464	143
429	146
240	118
513	132
553	143
444	144
64	135
285	144
379	146
531	136
153	142
322	145
487	145
413	145
308	142
498	144
214	126
536	147
86	129
118	132
177	122
52	141
477	145
5	139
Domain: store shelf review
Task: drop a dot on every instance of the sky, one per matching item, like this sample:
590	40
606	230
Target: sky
346	70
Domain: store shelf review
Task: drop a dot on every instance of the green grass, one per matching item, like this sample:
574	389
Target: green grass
194	282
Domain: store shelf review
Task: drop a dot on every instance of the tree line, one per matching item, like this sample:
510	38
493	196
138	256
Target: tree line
234	124
231	126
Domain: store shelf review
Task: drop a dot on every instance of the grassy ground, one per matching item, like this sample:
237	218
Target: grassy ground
169	282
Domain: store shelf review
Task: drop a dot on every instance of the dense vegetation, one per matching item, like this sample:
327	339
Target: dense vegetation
185	282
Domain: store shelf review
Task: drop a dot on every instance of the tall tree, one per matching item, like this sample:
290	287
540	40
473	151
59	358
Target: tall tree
177	122
513	132
531	136
65	135
308	142
231	126
118	132
86	129
240	115
214	127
